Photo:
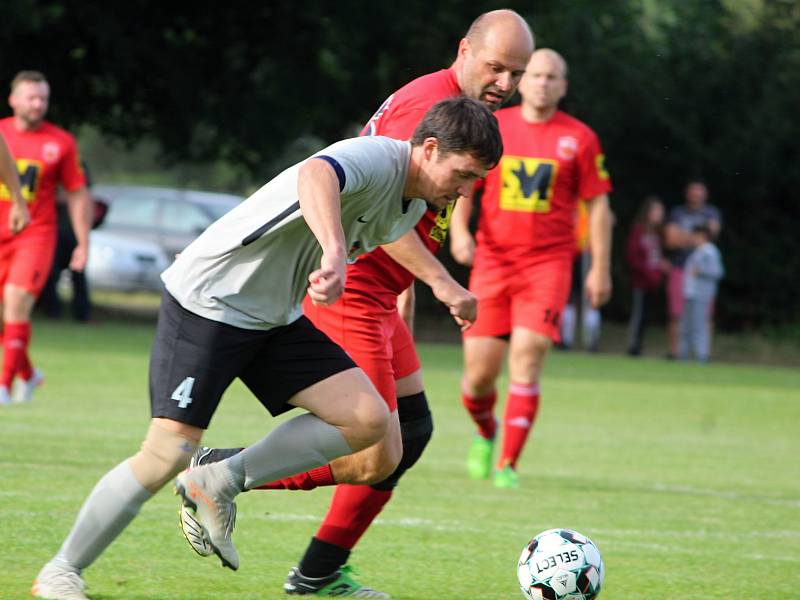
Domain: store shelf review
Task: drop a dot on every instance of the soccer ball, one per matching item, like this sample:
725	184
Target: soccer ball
560	564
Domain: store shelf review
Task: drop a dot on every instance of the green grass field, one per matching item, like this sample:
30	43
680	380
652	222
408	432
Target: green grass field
687	477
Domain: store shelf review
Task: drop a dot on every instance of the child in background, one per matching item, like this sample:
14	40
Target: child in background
702	272
647	264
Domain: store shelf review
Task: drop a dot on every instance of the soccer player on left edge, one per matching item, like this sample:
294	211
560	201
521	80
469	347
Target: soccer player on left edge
232	308
46	156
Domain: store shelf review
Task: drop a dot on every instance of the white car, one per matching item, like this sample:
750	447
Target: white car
142	231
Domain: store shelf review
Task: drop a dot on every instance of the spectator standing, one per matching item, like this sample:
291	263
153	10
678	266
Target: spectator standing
678	240
578	306
647	265
702	272
50	301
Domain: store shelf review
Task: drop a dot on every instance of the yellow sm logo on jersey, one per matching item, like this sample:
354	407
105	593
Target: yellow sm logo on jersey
28	179
527	183
439	229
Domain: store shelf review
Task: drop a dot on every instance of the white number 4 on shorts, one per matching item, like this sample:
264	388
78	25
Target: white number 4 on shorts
183	393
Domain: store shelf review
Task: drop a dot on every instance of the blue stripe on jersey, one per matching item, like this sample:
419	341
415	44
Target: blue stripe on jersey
270	224
336	167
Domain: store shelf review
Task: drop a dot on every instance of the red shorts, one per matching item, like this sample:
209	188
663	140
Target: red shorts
377	339
675	292
512	295
26	259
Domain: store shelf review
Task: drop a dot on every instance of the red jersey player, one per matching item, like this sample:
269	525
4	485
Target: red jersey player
46	156
522	256
366	321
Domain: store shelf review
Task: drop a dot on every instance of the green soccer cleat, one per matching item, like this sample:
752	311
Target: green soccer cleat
506	478
339	584
479	458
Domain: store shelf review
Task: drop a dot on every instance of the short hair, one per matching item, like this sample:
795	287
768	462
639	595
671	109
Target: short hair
702	228
462	124
32	76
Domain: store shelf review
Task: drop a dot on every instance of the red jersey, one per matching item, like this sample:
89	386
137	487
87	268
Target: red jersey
45	157
530	198
376	273
643	251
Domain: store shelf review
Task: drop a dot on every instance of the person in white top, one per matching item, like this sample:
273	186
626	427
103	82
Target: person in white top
232	309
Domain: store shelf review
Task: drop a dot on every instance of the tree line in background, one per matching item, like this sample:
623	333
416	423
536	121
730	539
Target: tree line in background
675	88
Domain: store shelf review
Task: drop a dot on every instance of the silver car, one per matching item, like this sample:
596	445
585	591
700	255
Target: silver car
143	229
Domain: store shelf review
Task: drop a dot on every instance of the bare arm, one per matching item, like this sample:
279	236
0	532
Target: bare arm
598	280
405	306
18	217
320	203
79	205
410	252
715	228
462	244
676	238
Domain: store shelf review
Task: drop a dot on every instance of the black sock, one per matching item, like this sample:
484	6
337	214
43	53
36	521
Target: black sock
322	558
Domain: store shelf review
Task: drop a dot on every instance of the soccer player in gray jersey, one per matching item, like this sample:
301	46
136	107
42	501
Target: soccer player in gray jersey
232	309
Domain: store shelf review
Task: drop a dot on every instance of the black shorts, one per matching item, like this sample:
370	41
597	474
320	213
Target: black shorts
195	359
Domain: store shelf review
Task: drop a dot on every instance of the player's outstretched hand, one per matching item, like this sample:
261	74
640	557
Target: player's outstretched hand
18	217
326	284
462	303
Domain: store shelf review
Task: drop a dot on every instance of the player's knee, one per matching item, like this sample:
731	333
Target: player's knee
372	421
373	464
416	427
163	455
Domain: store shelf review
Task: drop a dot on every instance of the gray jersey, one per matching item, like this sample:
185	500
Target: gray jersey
250	268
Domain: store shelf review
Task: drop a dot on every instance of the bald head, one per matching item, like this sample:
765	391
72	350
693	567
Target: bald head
492	57
549	56
544	85
501	22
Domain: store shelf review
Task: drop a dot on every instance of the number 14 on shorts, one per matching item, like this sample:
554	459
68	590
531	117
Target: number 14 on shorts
183	393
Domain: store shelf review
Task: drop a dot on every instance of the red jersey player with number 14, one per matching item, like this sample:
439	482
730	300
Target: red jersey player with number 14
46	156
522	263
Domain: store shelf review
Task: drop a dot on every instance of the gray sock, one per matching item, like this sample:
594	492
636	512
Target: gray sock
293	447
113	503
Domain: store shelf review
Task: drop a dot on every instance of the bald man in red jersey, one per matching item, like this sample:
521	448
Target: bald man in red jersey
522	263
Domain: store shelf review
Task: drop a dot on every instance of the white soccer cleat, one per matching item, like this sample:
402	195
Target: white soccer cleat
193	532
56	583
23	389
5	397
209	493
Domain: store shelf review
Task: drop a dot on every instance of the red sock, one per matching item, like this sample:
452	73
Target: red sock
521	408
309	480
352	510
482	412
15	352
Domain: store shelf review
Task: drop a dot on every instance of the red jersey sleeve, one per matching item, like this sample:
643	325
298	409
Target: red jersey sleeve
71	173
594	179
401	125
